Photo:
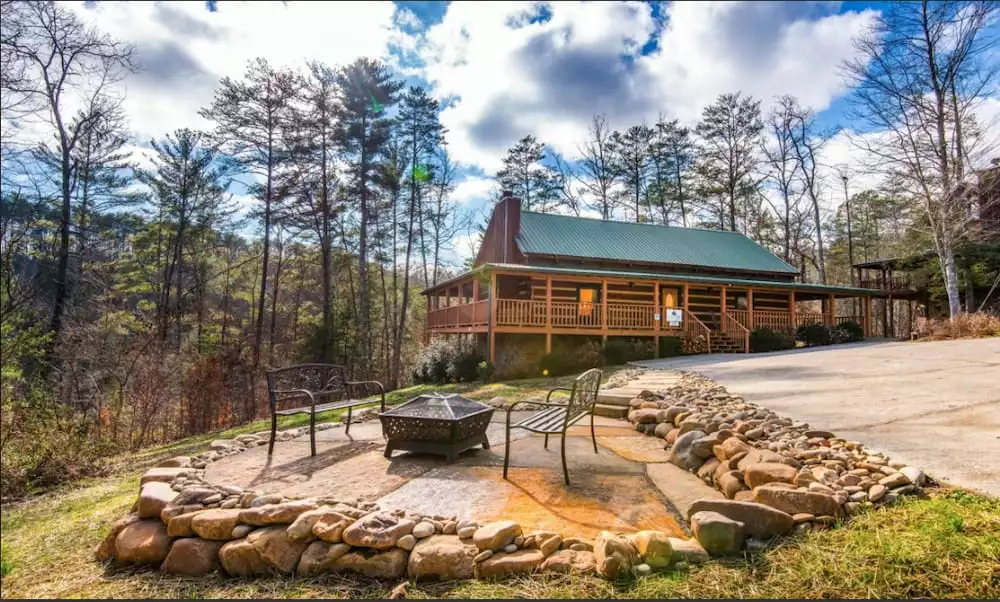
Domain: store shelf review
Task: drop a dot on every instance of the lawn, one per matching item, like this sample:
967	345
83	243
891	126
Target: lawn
946	544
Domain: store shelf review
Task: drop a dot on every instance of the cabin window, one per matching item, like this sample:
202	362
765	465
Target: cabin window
587	296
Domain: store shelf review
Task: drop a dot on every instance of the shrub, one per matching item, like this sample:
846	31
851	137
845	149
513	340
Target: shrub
442	362
571	357
485	371
851	331
671	346
765	339
620	351
975	325
464	366
814	334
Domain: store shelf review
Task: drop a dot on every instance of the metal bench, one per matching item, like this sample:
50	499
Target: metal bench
557	417
312	382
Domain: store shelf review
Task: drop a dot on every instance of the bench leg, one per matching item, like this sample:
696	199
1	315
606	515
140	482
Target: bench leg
312	432
347	431
593	436
565	470
506	452
274	430
388	450
486	442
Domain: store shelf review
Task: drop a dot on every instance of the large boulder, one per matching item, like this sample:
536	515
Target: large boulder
730	447
443	557
180	526
682	454
106	549
240	558
216	524
718	534
276	548
276	514
302	526
615	555
496	535
320	556
390	564
758	520
193	557
731	483
153	498
653	547
500	565
768	472
702	447
569	561
143	542
330	526
378	530
643	416
688	550
796	501
757	456
708	469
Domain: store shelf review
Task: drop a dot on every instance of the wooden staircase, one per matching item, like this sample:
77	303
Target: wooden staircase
724	343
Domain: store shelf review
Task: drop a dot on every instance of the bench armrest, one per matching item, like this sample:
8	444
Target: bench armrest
381	388
547	397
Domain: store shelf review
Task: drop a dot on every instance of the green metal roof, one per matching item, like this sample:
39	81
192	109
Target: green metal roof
584	271
567	236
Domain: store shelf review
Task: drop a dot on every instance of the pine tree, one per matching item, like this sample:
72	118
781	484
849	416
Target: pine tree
631	156
525	175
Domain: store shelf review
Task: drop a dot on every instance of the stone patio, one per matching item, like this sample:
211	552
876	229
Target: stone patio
627	486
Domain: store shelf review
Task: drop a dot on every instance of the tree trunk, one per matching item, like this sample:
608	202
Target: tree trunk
62	271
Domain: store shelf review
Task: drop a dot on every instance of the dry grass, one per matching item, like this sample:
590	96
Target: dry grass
964	326
943	546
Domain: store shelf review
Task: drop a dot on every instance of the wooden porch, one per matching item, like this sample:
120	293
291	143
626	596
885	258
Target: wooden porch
705	316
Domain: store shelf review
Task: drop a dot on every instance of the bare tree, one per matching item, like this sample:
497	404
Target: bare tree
598	173
922	70
807	144
631	156
66	66
781	171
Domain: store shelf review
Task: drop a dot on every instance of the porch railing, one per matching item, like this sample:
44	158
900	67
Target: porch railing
519	312
573	315
459	316
895	283
736	331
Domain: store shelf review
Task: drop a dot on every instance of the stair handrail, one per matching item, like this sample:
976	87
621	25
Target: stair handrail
693	319
733	328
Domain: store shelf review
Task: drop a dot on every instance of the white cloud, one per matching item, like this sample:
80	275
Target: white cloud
473	189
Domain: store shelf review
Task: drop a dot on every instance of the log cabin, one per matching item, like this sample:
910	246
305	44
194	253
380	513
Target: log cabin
556	275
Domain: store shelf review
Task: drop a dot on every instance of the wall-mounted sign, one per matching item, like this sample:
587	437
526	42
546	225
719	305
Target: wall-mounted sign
675	317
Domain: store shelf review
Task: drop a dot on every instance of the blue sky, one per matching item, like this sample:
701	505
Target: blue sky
505	70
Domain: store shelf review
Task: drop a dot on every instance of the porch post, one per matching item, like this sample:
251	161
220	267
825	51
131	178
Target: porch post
891	324
791	308
656	322
866	303
494	299
750	323
722	306
685	298
475	289
548	314
604	310
833	310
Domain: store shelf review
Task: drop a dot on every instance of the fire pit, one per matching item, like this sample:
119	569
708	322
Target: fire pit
436	424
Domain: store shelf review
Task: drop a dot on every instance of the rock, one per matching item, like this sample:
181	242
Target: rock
220	444
216	524
153	498
463	533
240	558
193	557
718	534
653	547
450	528
143	542
662	430
442	557
175	462
162	474
643	416
757	456
496	535
730	483
276	548
802	517
330	526
180	526
795	501
758	520
859	496
729	448
482	555
499	565
192	495
424	529
266	500
319	557
708	469
688	550
390	564
106	549
768	472
671	437
896	479
818	488
378	530
614	554
276	514
242	531
406	542
569	561
877	492
754	434
915	475
682	455
547	542
642	570
582	544
702	447
302	526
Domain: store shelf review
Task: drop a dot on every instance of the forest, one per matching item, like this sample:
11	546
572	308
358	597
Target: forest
147	284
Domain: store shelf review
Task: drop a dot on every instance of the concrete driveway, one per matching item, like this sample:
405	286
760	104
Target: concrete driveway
935	405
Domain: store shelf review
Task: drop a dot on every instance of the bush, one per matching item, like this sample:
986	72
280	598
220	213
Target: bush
571	357
765	339
442	362
485	371
964	326
671	347
464	366
620	351
814	334
850	331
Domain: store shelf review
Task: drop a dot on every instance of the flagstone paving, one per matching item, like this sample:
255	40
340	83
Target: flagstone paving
609	490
